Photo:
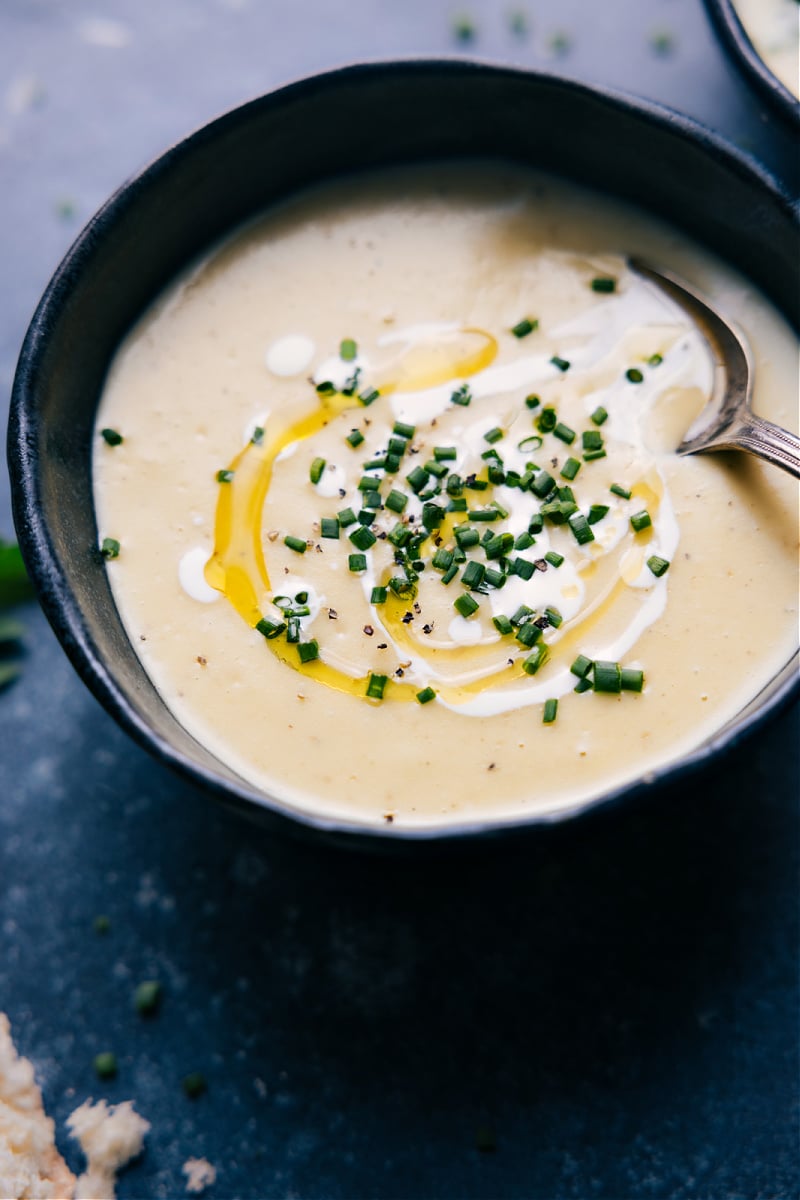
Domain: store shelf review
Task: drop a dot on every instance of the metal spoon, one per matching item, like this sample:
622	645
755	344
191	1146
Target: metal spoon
727	422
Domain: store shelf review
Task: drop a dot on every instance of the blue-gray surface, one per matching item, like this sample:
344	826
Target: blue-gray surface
617	1001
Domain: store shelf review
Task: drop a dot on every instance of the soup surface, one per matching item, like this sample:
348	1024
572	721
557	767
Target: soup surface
773	27
392	513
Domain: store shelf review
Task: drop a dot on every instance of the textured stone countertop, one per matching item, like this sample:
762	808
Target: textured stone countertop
616	1001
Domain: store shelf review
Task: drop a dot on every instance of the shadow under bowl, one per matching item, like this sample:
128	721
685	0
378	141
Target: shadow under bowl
358	117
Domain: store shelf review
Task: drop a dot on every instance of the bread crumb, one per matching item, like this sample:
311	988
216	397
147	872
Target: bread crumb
31	1167
199	1173
110	1136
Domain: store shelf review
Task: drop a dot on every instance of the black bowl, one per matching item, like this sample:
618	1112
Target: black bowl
223	174
738	45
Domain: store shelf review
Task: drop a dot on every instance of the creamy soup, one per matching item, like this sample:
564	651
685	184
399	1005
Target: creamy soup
392	513
773	26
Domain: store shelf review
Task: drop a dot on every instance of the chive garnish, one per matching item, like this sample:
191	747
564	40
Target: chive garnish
494	435
147	997
591	455
523	568
110	548
308	651
426	695
524	327
597	512
111	437
604	284
442	559
532	442
356	562
641	520
378	595
368	396
376	685
554	617
347	349
619	490
225	476
523	541
592	439
532	401
270	629
325	388
346	517
581	529
396	501
354	438
607	677
472	576
543	483
362	538
403	430
257	436
418	479
299	545
600	415
465	605
659	566
553	558
550	712
528	634
655	360
547	420
450	573
631	680
445	453
570	468
634	375
564	433
316	469
582	666
535	660
502	624
462	395
562	363
466	536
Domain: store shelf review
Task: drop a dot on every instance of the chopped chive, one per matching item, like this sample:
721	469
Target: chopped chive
426	695
553	558
462	395
581	529
529	634
378	595
315	472
604	284
111	437
257	436
564	433
110	548
532	401
466	537
543	484
450	573
346	517
147	997
618	490
397	446
592	439
550	712
591	455
297	544
533	442
547	420
465	604
536	524
502	624
392	464
570	468
292	630
366	482
372	500
445	453
597	512
270	629
476	485
494	435
607	677
376	685
655	360
499	545
641	520
463	28
472	576
400	535
484	514
434	467
325	388
356	562
524	327
368	396
225	476
418	479
351	384
523	541
521	615
659	566
404	430
308	651
354	438
561	363
442	559
347	349
396	501
536	660
105	1065
554	617
495	579
631	680
362	538
600	415
523	568
583	685
634	375
582	666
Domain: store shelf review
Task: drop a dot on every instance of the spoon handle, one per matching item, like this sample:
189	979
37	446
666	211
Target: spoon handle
769	441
